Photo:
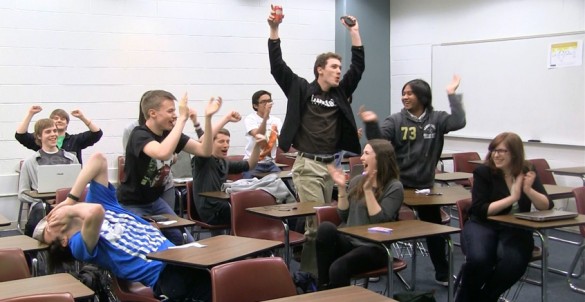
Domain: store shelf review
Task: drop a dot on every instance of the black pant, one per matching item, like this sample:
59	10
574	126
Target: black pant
184	284
436	244
338	259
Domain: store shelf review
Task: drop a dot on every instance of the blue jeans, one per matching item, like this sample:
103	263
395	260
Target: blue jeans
157	207
496	258
261	168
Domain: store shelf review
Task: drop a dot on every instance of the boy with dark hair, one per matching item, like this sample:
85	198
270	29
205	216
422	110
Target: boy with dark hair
150	151
73	143
261	122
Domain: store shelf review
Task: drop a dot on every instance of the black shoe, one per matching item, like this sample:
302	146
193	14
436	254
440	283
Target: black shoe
444	281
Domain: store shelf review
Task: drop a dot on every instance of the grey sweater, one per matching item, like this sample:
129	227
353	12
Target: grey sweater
419	142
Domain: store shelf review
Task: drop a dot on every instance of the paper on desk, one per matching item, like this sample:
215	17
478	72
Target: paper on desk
168	222
422	191
192	244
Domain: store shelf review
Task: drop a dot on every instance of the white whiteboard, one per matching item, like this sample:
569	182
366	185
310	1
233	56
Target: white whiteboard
507	86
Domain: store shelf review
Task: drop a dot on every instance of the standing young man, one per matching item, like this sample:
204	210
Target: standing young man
319	120
45	135
150	151
73	143
417	133
261	122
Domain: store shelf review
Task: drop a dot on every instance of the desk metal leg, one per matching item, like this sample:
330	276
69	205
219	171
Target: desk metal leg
389	280
286	243
544	272
450	258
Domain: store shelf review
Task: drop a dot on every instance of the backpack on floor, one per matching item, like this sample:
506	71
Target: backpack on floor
415	296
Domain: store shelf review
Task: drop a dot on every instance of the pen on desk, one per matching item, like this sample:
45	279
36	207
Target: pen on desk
434	194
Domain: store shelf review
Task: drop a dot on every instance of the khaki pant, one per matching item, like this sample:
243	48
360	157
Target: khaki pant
313	184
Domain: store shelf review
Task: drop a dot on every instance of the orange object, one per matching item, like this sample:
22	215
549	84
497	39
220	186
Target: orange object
277	12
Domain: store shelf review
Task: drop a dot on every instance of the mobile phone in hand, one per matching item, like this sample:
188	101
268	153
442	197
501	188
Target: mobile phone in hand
348	21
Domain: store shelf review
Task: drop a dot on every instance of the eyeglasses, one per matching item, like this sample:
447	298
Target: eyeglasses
500	151
265	101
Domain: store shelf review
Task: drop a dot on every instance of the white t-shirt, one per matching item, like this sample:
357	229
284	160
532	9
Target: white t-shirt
253	121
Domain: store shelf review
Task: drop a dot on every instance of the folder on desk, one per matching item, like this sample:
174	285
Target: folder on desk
547	215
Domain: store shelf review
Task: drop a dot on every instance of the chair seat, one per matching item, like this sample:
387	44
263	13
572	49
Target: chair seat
397	266
132	291
536	254
294	237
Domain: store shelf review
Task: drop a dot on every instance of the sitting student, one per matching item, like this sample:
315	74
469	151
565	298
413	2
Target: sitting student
374	197
150	152
497	255
260	122
73	143
103	233
210	172
49	154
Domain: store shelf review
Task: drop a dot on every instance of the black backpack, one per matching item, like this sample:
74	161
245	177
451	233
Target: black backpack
305	282
97	280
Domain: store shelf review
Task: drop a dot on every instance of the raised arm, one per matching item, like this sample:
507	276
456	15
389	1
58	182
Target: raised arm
22	135
354	31
260	143
274	21
204	148
89	123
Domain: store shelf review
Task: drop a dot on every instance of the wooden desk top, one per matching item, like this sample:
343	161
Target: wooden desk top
342	294
477	161
452	176
281	174
558	192
219	249
446	156
449	196
181	222
401	230
57	283
571	171
37	195
289	210
25	243
538	225
216	194
4	221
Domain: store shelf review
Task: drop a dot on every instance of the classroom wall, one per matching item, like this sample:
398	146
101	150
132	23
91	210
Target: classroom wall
416	25
101	55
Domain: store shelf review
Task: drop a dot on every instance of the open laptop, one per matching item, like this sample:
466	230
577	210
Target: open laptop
547	215
53	177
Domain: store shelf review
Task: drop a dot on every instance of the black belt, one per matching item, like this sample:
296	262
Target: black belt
324	159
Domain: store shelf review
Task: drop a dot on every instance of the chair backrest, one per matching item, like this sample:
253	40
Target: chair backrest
235	176
54	297
248	224
328	214
461	161
61	195
121	165
406	213
463	206
192	213
250	280
281	159
580	202
541	166
13	265
354	160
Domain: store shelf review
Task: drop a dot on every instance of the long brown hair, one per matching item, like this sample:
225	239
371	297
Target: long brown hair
516	149
387	169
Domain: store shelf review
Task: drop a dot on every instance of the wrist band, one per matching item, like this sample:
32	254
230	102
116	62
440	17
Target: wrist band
75	198
197	126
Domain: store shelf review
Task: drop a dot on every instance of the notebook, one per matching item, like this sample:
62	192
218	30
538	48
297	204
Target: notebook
53	177
547	215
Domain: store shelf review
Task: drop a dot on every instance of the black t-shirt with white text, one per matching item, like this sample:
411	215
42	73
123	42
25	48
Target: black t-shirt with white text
319	131
146	177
